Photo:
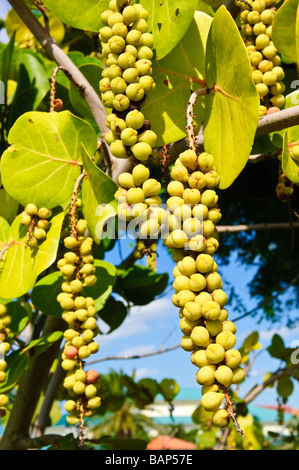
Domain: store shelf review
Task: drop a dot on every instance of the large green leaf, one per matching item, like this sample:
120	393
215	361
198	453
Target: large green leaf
33	86
278	350
92	72
98	202
24	37
233	103
175	76
113	313
290	167
44	158
140	284
286	30
20	265
168	20
7	57
8	206
81	14
4	232
45	291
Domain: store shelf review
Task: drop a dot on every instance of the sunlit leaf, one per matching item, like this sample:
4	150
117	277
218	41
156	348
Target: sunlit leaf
232	112
98	202
176	76
20	266
168	20
45	153
290	167
81	14
286	30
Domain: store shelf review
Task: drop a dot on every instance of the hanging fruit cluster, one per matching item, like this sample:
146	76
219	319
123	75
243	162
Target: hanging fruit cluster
37	221
193	237
284	188
138	199
5	321
79	312
188	222
256	26
126	80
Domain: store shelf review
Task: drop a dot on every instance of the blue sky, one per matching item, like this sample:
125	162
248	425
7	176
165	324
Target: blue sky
148	328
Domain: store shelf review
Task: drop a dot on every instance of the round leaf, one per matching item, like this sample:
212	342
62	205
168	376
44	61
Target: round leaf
81	14
232	113
92	72
20	265
175	75
98	202
168	21
44	158
286	30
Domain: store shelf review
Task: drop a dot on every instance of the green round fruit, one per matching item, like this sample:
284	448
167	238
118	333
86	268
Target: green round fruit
211	401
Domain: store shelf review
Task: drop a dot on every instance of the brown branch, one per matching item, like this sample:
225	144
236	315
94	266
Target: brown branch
190	116
253	227
135	356
283	119
265	302
280	373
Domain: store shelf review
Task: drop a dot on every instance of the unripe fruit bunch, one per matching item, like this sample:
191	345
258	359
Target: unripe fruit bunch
193	239
284	188
139	201
79	312
127	79
37	221
5	321
267	73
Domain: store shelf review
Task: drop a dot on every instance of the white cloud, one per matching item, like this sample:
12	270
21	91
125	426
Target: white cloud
140	320
130	327
157	308
284	332
138	350
144	372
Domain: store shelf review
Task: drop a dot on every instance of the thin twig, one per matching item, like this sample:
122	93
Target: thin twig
283	119
286	372
265	302
190	115
73	207
230	410
134	356
53	85
253	227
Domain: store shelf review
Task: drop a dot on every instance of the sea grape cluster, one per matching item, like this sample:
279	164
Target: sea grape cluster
186	223
5	321
207	332
127	79
38	223
79	312
139	201
267	73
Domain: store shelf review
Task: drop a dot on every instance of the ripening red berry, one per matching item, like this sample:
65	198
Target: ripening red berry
91	376
70	352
